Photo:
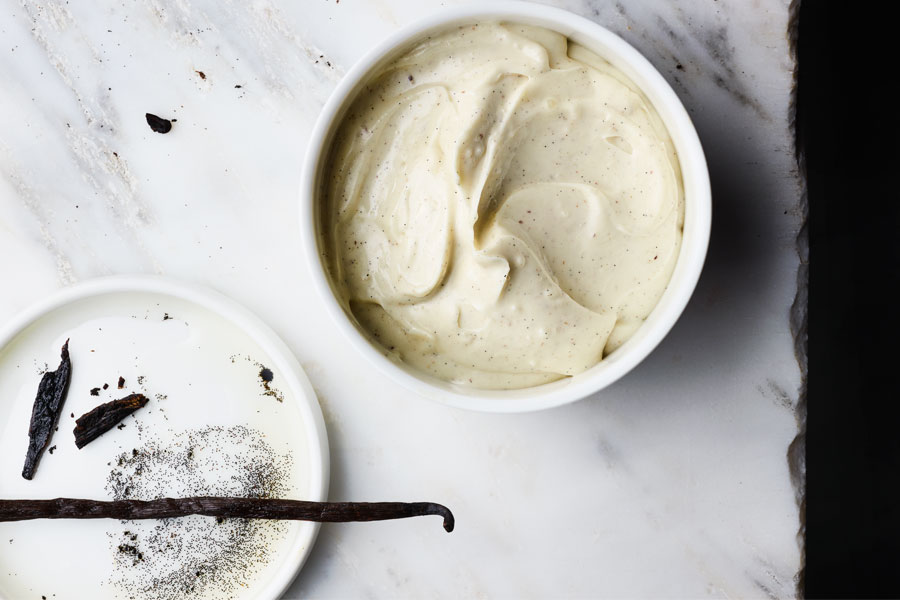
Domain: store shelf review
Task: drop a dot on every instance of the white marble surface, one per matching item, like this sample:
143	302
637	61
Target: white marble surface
673	482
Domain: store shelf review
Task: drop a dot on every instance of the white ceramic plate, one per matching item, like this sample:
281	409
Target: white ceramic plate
198	356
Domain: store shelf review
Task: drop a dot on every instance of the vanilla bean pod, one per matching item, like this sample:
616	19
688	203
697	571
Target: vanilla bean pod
46	409
101	419
212	506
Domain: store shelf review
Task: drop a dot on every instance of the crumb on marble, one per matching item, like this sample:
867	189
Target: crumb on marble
158	124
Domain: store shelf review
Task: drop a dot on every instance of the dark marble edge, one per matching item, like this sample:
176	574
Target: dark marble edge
796	454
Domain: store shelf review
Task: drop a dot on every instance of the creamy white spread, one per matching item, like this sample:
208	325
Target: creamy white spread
502	207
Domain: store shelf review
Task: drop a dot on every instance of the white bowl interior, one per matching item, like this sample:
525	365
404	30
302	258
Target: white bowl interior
695	179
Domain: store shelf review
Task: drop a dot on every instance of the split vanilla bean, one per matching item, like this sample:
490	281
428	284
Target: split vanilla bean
46	409
213	506
93	424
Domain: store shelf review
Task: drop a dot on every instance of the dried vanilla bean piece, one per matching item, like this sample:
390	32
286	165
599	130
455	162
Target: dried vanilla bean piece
99	420
212	506
45	413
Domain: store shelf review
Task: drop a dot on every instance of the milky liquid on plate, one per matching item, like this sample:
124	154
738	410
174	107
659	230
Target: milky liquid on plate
201	374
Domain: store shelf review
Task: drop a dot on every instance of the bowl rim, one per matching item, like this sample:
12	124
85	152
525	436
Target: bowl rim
695	238
244	319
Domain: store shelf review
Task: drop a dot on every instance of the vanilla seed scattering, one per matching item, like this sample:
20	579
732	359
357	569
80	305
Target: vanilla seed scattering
196	556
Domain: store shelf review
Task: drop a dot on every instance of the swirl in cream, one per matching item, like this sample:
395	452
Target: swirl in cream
502	207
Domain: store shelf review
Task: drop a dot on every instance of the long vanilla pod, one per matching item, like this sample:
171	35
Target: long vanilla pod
212	506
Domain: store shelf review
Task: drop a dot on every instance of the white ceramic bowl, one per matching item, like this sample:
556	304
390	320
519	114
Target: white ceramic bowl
698	207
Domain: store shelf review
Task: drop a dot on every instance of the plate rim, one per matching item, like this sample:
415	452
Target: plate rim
253	326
